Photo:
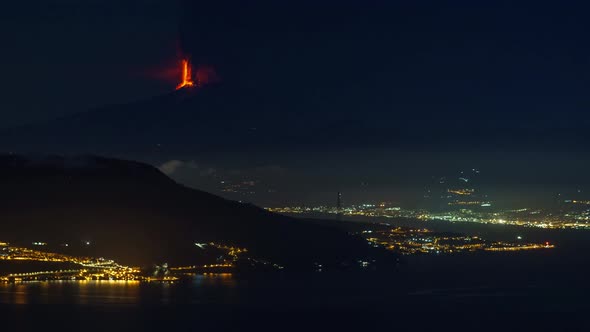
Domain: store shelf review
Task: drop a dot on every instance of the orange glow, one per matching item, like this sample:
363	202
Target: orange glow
187	79
205	75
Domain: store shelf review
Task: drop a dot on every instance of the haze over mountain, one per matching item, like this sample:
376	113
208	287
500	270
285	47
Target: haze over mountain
226	129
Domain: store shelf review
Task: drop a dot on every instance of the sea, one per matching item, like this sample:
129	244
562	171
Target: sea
529	290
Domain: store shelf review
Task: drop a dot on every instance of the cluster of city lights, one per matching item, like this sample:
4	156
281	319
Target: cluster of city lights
576	219
90	268
424	241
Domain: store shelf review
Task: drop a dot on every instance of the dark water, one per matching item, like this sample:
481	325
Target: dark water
535	290
454	280
524	281
433	288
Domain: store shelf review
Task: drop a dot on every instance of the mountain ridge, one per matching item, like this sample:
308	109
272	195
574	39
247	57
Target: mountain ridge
133	213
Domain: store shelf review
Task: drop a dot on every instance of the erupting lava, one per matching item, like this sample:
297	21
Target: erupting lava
202	76
187	75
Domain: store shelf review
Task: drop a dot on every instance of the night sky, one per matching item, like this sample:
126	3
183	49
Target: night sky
65	56
400	91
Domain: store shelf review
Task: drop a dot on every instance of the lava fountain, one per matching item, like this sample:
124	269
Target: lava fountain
187	75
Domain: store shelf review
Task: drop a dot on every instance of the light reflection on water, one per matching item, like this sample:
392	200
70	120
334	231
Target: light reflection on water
95	292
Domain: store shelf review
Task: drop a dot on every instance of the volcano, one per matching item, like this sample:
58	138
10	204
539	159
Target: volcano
197	118
208	116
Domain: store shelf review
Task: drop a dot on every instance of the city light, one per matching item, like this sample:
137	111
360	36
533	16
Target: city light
92	268
409	241
534	218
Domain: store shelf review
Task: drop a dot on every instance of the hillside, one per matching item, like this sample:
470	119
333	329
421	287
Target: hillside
131	212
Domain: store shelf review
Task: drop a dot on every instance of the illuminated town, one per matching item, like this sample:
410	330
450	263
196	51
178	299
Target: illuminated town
81	268
460	198
66	267
525	217
424	241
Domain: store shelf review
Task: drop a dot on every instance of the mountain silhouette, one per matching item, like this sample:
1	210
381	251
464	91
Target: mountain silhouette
216	118
225	118
133	213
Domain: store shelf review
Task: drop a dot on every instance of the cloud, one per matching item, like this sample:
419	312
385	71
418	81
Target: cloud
170	167
173	167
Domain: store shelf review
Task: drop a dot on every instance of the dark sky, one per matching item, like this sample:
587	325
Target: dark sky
67	56
498	62
504	64
412	88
